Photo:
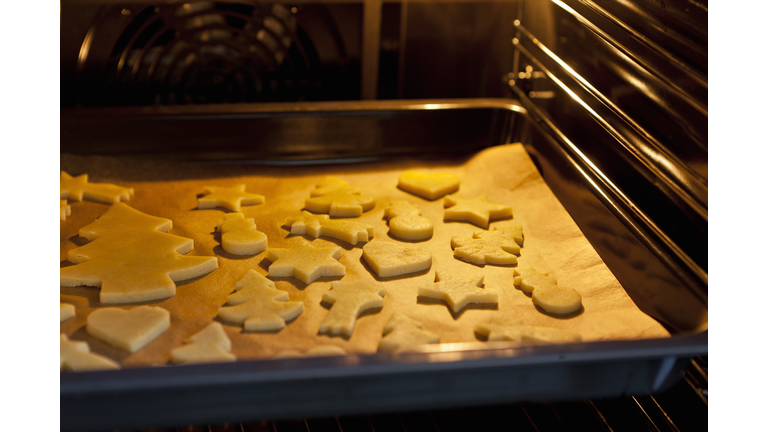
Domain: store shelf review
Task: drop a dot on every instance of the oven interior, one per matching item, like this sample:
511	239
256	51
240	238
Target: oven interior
614	97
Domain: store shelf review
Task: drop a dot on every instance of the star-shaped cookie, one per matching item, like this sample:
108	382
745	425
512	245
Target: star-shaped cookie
500	330
305	262
501	246
259	305
476	210
349	299
458	291
322	225
75	188
230	198
403	332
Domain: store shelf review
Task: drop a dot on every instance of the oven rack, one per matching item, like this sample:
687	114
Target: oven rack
681	408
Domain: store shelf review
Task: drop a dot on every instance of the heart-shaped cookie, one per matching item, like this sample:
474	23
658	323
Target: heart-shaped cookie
130	330
430	186
390	259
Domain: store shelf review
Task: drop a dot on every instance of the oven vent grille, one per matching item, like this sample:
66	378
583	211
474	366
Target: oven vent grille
197	52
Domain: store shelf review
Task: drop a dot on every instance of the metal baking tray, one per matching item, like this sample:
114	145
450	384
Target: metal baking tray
458	375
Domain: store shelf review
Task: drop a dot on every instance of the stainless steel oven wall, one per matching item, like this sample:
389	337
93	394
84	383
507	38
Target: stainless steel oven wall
621	87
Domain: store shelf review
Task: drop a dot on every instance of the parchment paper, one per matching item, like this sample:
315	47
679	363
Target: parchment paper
553	243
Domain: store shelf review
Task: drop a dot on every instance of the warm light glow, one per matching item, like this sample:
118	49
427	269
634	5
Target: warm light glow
432	106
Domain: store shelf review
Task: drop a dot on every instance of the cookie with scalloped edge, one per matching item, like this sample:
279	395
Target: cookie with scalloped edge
500	246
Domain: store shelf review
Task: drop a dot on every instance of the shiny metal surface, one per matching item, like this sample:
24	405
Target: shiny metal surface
634	118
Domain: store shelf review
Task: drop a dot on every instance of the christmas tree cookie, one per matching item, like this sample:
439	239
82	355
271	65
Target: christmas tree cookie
132	258
210	345
258	305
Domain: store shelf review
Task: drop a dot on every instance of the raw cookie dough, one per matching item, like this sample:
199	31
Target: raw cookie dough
230	198
305	262
239	235
210	345
546	293
407	223
501	246
322	225
335	197
476	210
458	291
430	186
67	311
132	258
66	210
318	351
402	332
258	305
129	330
349	300
500	330
390	259
78	187
77	357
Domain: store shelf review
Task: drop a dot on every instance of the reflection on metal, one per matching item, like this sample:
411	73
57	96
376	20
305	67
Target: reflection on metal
615	197
660	51
693	193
